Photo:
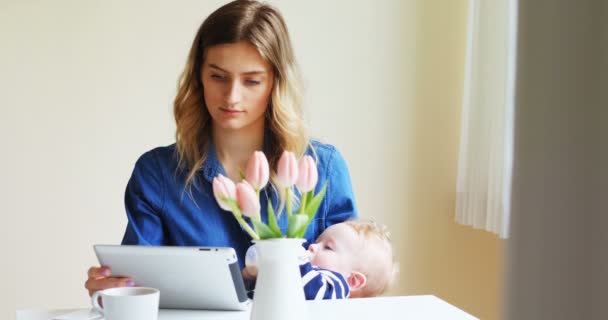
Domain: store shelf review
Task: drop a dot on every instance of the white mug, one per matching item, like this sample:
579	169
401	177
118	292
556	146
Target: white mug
127	303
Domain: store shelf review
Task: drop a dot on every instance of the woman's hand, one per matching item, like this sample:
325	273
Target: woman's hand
99	279
250	274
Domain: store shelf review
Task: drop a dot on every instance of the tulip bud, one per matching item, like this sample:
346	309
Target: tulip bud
247	200
257	170
223	189
307	174
287	171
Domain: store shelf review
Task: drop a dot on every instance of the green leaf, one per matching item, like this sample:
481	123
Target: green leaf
300	233
272	221
296	223
263	230
313	205
309	196
311	209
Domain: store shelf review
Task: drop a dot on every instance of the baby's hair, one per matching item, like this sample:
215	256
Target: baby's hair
382	279
370	227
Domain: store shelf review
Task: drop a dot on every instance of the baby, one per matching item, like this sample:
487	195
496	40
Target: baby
349	259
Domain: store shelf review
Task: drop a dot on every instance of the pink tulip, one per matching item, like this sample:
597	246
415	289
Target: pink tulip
287	171
257	170
223	189
247	199
307	175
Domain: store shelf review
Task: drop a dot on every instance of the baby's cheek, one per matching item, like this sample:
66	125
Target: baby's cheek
321	261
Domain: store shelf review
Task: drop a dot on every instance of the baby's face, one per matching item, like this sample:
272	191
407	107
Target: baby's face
336	249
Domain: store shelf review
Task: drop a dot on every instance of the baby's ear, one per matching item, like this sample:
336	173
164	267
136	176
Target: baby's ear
356	281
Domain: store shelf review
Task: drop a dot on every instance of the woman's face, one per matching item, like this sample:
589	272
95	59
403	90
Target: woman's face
237	84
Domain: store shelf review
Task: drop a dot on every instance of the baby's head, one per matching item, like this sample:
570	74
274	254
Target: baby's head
360	251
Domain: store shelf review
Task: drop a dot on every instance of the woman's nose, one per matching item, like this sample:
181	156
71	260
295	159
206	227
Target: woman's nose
234	95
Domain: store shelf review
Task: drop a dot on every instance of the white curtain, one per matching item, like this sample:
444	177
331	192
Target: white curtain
486	142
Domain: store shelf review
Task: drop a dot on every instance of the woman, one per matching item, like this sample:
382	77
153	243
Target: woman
239	92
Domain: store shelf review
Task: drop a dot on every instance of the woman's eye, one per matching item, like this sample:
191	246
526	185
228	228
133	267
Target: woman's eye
252	82
217	77
328	248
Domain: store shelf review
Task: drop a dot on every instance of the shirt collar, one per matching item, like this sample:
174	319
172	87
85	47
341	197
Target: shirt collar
213	167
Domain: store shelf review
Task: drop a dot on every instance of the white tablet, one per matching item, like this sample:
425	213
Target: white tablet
187	277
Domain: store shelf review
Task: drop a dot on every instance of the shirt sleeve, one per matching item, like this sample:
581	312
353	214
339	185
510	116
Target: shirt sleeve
322	284
144	203
340	204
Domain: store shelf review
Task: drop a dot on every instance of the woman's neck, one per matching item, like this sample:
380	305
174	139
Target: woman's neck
234	147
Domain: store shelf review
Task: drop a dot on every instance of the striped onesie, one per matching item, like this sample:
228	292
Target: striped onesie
322	284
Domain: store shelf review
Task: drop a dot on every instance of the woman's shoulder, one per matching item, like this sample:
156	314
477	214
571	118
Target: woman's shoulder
321	147
163	156
327	155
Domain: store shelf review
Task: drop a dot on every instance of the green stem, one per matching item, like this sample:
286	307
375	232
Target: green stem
246	226
258	216
288	200
302	203
236	212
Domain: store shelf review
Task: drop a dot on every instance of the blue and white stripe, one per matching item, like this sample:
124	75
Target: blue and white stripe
322	284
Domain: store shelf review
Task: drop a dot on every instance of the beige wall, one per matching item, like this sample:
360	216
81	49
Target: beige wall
87	87
459	264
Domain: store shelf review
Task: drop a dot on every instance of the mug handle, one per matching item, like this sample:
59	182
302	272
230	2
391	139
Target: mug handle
95	302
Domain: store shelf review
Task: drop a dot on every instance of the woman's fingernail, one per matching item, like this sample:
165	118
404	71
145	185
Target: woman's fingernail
130	283
106	272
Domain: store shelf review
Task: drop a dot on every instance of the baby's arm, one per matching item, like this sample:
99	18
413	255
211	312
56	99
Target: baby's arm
322	284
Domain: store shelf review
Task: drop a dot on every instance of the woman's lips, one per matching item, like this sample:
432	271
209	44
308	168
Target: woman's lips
231	112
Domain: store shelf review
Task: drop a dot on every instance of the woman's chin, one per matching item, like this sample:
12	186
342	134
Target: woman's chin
234	124
230	124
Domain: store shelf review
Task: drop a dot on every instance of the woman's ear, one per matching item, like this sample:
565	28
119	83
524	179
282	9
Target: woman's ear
356	281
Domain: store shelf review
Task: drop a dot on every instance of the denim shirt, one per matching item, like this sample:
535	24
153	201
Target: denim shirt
161	211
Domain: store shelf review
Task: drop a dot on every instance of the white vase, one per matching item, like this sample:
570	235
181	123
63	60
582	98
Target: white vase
279	293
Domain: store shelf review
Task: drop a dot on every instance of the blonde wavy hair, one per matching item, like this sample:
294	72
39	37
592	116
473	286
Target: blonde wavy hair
382	273
262	26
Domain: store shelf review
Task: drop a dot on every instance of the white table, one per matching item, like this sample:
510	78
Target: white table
381	308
